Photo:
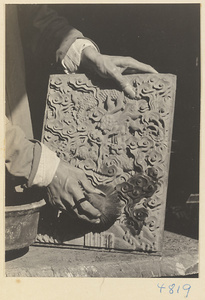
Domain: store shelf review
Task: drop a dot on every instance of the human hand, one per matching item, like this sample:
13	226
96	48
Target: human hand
113	67
65	192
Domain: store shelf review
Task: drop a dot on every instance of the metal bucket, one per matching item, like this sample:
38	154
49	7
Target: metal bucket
21	225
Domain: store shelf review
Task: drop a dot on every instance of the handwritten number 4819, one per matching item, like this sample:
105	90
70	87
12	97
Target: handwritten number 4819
172	288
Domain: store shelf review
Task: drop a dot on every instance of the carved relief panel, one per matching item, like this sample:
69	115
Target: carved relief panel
123	145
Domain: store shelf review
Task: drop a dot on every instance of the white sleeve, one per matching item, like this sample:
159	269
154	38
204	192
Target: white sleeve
47	167
72	58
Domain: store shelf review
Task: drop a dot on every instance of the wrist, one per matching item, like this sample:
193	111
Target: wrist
72	59
47	166
89	55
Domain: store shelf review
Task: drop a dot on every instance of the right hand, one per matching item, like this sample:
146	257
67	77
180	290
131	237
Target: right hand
114	67
65	192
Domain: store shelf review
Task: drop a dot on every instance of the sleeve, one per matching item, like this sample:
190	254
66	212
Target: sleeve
72	59
19	152
46	32
27	159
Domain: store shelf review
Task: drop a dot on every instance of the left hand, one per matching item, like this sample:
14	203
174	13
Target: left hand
113	66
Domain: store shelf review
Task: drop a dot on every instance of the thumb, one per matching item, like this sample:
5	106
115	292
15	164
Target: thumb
123	83
127	88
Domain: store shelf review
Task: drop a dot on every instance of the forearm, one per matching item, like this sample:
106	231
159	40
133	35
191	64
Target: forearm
19	152
30	160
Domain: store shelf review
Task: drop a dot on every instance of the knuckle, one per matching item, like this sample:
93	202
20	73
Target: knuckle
129	58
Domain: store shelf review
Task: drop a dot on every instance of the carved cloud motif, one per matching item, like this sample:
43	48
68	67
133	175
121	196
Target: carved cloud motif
118	142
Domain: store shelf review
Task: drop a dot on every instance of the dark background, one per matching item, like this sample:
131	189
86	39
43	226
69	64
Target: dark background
166	36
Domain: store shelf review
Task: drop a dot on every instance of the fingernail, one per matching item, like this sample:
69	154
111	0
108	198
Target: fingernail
129	90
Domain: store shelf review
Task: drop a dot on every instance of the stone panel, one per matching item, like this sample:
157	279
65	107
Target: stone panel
123	145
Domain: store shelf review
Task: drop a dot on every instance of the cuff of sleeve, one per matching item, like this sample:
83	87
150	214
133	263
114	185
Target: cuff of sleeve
44	167
72	59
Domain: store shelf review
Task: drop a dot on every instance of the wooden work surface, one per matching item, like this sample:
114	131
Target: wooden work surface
180	258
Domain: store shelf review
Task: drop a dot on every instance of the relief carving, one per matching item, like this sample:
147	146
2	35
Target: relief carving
123	146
